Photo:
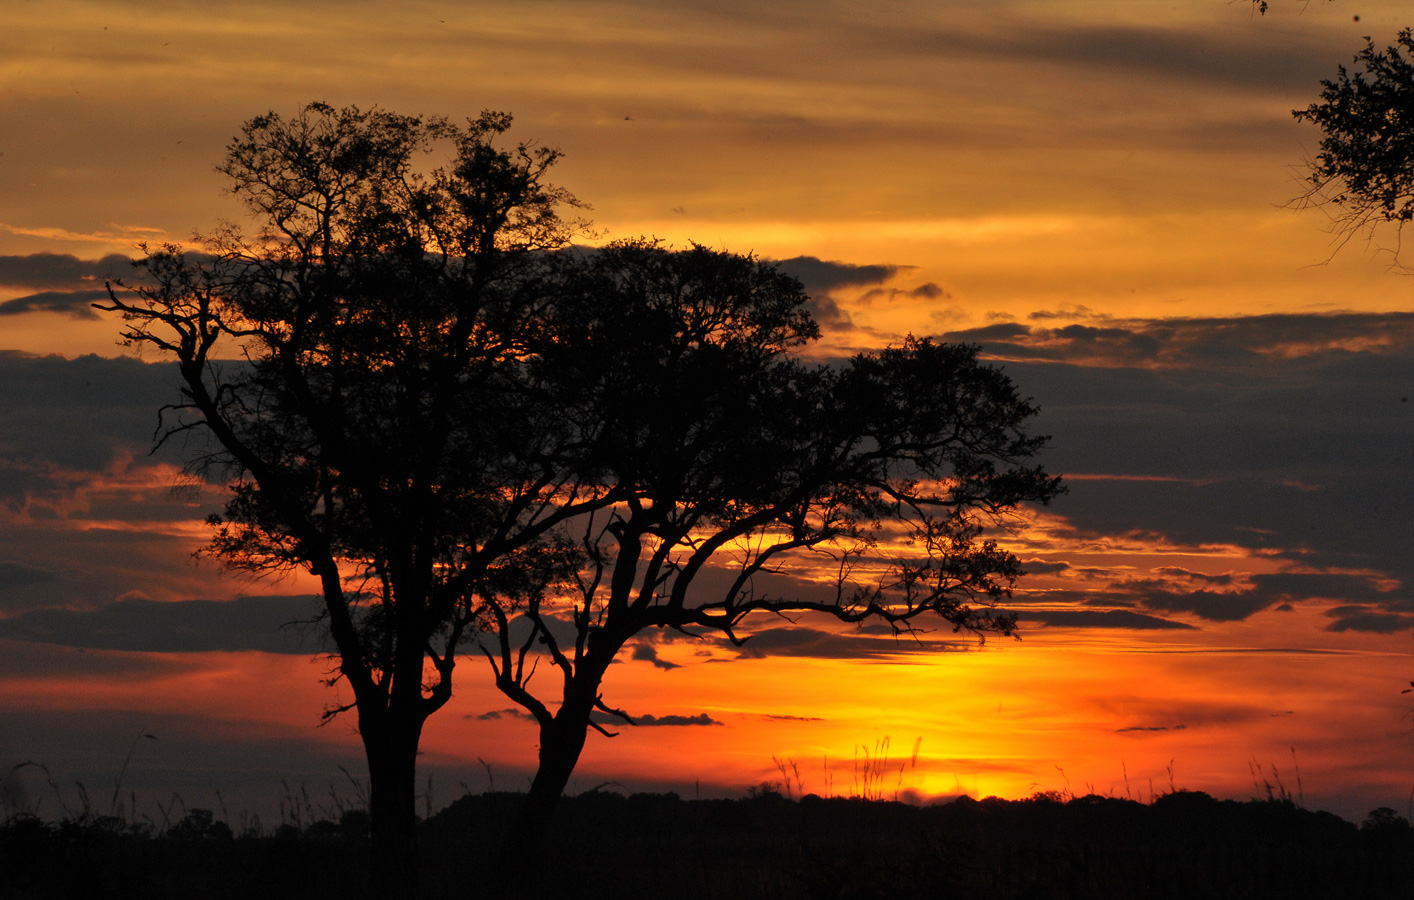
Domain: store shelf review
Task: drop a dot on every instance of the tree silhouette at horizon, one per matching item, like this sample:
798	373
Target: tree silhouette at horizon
354	366
678	375
473	436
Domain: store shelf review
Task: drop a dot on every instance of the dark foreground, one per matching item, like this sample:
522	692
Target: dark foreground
1183	845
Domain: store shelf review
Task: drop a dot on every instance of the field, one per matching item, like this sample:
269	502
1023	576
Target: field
1183	844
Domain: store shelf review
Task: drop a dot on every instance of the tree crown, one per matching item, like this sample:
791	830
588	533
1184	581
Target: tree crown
380	316
1365	167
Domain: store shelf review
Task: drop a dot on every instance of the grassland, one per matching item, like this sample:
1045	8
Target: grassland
1184	844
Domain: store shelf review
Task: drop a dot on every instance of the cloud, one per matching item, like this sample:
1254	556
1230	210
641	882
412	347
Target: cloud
1214	606
1296	586
1286	435
925	291
816	644
1093	618
826	311
23	659
1001	331
1182	591
1123	54
827	275
1282	588
17	575
822	277
1367	619
61	271
1186	55
1177	572
77	304
1044	567
1151	728
510	712
1355	524
187	626
650	653
81	413
1178	341
650	721
1067	311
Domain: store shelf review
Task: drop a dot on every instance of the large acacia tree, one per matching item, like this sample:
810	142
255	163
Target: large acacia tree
421	397
677	377
355	370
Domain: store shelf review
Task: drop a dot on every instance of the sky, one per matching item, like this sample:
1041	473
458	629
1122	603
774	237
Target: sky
1100	194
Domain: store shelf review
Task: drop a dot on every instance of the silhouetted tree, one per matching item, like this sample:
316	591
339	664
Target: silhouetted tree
736	462
1365	168
461	431
358	362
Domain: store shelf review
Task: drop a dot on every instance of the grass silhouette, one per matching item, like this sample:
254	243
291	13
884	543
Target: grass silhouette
778	842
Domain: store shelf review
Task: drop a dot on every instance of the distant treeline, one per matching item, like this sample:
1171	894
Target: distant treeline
605	845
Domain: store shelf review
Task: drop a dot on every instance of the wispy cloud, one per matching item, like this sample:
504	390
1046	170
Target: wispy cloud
117	234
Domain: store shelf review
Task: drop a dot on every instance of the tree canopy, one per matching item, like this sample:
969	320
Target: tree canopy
871	482
355	362
1365	168
473	433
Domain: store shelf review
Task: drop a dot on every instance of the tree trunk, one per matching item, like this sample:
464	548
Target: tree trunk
560	747
559	753
391	748
561	742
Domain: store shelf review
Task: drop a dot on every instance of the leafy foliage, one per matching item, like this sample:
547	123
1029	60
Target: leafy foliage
356	363
1365	167
729	460
381	312
421	395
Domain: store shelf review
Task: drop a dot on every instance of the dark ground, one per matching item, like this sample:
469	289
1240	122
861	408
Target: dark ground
1183	845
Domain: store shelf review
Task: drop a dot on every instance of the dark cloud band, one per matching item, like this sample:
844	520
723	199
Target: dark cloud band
60	271
267	624
78	304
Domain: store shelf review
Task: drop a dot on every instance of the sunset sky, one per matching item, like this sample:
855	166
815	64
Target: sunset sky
1099	192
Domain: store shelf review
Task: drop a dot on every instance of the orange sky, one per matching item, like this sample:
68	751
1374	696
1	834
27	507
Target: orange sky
1226	584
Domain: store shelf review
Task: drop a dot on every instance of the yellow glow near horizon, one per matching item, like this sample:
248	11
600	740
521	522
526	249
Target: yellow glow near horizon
1009	720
